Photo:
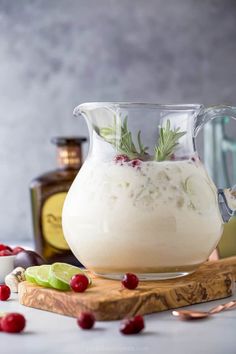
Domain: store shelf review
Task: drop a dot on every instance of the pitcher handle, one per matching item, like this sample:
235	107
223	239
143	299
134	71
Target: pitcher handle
226	197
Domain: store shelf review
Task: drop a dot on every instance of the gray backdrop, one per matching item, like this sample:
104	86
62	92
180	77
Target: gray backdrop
55	54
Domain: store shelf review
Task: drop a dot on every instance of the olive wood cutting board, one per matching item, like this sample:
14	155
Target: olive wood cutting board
108	300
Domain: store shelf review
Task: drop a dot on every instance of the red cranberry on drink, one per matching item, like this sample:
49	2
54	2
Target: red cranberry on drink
130	281
133	325
5	247
17	250
5	253
13	323
79	283
86	320
135	163
5	292
121	159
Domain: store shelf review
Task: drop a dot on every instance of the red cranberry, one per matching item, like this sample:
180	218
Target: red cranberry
5	247
121	159
5	292
130	281
135	163
13	323
86	320
5	253
17	250
133	325
138	322
0	324
127	327
79	283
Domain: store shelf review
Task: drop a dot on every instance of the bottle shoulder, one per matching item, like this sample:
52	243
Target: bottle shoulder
55	176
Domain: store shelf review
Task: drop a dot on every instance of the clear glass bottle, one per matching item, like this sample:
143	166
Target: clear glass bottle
218	146
48	193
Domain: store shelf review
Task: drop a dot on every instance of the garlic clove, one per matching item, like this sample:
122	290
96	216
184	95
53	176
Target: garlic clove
14	278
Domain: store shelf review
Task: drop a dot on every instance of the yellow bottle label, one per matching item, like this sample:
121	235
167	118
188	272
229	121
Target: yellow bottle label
51	221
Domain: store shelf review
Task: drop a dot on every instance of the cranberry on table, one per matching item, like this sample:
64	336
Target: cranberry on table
138	323
132	326
79	283
17	250
130	281
5	292
86	320
13	323
127	327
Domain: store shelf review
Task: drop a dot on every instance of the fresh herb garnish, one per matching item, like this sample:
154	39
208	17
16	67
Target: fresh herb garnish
168	142
121	138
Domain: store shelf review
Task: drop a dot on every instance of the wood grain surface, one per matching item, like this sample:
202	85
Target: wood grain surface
109	301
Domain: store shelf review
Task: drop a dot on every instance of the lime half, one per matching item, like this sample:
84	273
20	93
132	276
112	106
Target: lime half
41	275
30	274
60	275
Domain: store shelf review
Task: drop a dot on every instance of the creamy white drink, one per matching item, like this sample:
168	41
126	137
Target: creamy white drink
148	217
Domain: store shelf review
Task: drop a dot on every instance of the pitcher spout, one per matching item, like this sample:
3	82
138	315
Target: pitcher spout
97	114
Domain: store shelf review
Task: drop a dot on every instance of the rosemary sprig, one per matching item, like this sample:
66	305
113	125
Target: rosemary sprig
168	142
121	138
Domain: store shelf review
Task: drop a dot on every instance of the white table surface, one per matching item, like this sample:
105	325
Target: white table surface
51	333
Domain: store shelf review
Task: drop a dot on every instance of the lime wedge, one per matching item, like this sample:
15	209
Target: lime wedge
60	275
30	274
41	275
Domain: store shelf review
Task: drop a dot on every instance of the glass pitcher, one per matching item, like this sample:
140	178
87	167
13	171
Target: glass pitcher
143	201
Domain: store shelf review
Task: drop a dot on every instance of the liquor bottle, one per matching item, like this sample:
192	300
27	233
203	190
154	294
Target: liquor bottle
48	193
